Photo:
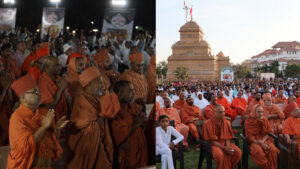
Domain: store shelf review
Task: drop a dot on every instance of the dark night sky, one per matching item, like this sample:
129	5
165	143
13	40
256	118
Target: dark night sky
79	13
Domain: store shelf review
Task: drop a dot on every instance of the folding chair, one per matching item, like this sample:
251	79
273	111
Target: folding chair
288	153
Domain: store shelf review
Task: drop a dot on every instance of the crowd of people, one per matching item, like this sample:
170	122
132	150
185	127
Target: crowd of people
207	110
88	91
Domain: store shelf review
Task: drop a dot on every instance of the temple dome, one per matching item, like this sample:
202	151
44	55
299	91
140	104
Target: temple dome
191	26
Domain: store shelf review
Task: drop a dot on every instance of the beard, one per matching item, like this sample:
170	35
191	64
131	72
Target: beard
190	103
109	67
257	99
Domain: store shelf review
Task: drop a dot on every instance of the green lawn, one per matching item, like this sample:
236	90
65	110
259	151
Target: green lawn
191	159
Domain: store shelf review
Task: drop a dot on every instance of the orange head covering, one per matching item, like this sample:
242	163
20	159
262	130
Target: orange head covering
73	55
137	57
267	96
45	45
101	56
89	75
23	84
42	52
72	64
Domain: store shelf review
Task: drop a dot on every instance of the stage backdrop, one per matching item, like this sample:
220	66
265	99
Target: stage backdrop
227	74
118	22
53	22
8	18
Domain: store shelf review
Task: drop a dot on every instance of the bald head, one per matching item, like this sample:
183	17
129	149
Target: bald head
52	66
213	100
167	102
219	111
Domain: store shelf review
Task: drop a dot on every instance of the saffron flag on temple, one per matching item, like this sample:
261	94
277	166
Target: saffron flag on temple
191	10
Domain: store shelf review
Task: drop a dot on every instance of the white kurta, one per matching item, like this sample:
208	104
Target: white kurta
163	140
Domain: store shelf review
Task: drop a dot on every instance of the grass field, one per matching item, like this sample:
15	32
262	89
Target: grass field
191	159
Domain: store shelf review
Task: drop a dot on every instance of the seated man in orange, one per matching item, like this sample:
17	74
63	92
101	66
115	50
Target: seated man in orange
280	98
173	114
289	107
218	131
254	101
181	102
239	104
273	113
209	109
32	133
190	115
291	127
223	101
262	148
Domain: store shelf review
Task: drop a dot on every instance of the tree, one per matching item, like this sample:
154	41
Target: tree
292	70
161	70
241	72
272	68
182	73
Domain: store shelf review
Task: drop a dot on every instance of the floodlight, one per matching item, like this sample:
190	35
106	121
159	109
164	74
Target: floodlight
55	1
38	30
9	1
95	30
119	2
73	31
67	27
92	22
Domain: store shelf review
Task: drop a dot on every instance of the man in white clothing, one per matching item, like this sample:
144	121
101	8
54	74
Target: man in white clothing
200	101
164	145
228	96
63	57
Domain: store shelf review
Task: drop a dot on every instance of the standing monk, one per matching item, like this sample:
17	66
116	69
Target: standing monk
151	79
291	128
136	77
173	114
190	115
181	102
127	129
75	67
9	72
239	104
223	101
105	68
262	148
32	133
273	113
89	141
218	131
53	88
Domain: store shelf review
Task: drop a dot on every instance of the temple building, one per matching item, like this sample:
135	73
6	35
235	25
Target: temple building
195	53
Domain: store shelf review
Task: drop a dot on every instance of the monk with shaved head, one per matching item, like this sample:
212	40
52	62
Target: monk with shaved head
209	109
218	131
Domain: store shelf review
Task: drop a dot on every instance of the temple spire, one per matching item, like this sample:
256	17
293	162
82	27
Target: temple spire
186	8
191	12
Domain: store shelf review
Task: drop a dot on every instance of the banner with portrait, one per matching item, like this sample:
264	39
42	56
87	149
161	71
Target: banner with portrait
52	22
118	22
227	74
8	18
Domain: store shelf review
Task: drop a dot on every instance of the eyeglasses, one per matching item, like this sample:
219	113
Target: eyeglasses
35	91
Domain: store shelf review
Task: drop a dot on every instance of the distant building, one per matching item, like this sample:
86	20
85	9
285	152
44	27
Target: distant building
193	52
284	52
